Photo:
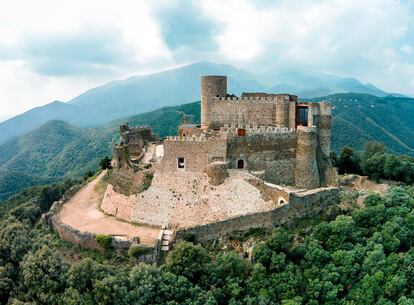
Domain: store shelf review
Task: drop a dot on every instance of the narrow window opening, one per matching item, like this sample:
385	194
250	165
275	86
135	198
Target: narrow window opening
302	116
180	163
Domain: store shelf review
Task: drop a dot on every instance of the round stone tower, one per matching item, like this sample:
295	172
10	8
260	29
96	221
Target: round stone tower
211	86
306	170
282	111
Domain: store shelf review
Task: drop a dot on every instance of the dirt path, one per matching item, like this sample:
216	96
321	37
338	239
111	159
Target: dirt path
82	212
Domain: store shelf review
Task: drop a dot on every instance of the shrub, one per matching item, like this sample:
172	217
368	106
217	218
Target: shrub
105	163
188	260
146	182
88	174
138	250
104	240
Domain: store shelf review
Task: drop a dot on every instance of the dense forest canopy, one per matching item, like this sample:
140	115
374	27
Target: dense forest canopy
355	256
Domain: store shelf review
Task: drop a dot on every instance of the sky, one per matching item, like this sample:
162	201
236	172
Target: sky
55	50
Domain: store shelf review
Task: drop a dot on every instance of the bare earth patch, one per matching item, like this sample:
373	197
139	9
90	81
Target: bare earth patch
82	212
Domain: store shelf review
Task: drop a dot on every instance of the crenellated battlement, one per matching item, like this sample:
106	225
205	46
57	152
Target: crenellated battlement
201	138
139	127
255	129
273	135
254	99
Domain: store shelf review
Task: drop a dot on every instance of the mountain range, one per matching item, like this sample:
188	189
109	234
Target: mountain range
141	94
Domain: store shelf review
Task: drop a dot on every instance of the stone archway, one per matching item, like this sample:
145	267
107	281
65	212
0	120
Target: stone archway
282	201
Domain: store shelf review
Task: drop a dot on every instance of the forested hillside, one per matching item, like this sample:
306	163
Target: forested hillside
358	118
353	256
57	150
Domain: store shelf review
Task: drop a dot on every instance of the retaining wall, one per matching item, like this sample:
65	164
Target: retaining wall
87	239
301	205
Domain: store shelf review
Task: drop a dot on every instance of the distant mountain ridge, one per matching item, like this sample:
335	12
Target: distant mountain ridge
141	94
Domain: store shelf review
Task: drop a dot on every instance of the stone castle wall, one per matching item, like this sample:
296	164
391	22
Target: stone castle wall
87	239
273	153
268	111
197	152
300	206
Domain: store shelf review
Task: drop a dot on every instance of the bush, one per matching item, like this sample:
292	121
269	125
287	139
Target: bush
88	174
146	183
105	163
188	260
104	240
138	250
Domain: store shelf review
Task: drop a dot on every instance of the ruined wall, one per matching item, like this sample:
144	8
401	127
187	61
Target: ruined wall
129	182
197	152
272	152
87	240
300	206
217	172
189	130
116	204
135	138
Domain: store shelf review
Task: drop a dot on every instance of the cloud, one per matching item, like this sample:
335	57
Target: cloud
58	46
407	49
183	24
84	52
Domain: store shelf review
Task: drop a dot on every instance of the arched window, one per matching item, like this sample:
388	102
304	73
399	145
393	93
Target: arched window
240	164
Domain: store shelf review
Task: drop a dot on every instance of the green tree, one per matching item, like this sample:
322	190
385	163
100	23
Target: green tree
188	260
15	241
393	168
371	148
44	276
105	163
374	166
348	162
151	285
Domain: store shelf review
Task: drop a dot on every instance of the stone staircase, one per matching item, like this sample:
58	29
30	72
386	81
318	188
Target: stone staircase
167	237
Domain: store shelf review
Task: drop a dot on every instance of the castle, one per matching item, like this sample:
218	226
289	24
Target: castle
273	136
255	161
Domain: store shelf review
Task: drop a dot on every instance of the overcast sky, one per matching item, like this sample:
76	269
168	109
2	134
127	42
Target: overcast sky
55	50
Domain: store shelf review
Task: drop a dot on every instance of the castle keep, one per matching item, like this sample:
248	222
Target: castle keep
272	136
